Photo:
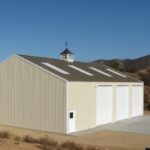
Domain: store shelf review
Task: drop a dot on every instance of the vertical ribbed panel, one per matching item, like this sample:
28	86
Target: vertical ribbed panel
31	98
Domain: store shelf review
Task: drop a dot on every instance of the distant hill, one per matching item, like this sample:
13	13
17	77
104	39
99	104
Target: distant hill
129	65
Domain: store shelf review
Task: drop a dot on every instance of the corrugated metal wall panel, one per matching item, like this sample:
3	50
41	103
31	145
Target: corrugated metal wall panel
31	98
82	100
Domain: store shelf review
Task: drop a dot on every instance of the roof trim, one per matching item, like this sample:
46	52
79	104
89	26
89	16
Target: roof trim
6	59
111	83
40	67
64	78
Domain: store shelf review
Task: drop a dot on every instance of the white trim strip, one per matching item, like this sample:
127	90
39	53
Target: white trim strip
55	68
99	71
81	70
67	116
117	73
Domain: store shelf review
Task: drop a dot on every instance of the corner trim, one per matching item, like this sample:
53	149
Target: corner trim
67	116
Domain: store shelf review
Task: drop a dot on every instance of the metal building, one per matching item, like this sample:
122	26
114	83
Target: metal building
63	95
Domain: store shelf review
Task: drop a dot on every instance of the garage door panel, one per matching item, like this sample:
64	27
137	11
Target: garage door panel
104	105
122	102
137	100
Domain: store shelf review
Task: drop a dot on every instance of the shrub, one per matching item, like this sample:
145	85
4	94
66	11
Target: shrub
146	80
4	134
71	145
29	139
47	141
17	138
148	106
17	142
115	65
95	148
45	147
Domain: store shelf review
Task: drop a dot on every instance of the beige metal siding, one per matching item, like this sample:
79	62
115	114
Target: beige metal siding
31	98
82	99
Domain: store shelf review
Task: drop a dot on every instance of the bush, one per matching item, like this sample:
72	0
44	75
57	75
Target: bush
47	141
45	147
148	106
146	80
4	134
17	138
94	148
115	65
71	145
29	139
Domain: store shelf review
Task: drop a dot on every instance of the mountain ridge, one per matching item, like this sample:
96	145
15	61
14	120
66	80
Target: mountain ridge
128	65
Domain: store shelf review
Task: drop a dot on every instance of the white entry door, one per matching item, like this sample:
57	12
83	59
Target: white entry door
71	121
122	102
137	101
104	104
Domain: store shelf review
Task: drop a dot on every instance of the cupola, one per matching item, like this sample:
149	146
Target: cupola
67	55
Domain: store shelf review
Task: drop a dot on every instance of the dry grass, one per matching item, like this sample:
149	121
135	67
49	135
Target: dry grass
17	138
47	141
11	144
146	112
92	147
112	140
46	147
4	134
71	145
116	140
29	139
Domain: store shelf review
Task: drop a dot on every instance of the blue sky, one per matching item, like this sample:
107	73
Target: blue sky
94	29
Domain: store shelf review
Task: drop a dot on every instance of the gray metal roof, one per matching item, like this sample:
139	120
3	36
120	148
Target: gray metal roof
66	51
76	75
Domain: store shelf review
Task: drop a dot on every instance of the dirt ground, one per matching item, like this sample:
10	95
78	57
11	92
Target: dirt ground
8	144
110	139
115	140
118	140
146	112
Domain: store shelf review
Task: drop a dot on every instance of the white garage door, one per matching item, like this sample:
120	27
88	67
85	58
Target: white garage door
122	102
137	101
104	105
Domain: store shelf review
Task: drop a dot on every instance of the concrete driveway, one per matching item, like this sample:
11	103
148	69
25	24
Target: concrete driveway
136	125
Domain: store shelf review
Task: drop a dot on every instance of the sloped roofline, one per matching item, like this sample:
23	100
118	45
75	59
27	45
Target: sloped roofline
56	75
66	51
125	74
27	61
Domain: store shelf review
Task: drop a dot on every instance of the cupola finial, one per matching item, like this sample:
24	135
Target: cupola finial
66	44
